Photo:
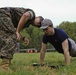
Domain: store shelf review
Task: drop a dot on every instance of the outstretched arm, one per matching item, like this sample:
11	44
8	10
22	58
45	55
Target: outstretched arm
42	53
65	47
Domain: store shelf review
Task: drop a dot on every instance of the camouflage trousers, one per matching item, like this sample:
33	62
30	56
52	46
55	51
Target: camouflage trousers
7	37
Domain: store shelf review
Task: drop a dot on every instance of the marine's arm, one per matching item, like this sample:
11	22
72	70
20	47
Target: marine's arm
25	17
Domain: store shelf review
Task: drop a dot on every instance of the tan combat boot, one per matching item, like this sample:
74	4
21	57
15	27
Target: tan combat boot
4	65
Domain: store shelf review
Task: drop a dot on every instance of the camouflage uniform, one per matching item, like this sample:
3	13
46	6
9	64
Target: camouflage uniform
9	18
7	35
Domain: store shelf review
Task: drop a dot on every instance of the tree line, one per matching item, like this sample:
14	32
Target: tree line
35	34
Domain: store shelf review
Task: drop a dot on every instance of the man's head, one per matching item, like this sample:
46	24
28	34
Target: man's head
47	26
38	20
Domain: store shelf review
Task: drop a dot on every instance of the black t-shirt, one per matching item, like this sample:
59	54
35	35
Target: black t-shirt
57	39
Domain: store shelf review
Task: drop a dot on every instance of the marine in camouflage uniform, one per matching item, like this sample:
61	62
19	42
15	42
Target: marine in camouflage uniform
9	18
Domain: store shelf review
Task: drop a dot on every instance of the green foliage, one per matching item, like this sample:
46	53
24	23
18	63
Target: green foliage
69	28
34	34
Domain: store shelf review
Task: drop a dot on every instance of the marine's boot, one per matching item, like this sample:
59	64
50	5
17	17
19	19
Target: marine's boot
4	65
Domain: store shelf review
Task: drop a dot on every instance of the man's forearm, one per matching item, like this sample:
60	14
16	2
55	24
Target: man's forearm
42	55
67	58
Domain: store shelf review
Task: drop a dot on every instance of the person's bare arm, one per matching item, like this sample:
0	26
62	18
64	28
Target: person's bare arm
65	47
42	53
25	17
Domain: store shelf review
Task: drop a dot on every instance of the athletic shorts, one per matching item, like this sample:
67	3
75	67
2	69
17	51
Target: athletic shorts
73	50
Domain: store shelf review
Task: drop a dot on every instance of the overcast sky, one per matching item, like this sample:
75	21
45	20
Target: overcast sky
56	10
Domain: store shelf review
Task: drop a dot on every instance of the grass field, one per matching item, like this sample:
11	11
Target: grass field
22	65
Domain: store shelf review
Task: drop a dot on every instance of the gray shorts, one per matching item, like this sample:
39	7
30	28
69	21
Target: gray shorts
73	50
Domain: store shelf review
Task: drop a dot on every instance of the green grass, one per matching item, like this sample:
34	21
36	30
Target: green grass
22	65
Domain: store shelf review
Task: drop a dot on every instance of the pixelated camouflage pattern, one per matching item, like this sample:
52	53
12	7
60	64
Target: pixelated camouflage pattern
14	14
7	36
9	18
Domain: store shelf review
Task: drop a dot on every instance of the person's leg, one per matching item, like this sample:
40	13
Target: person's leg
7	51
73	51
8	42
